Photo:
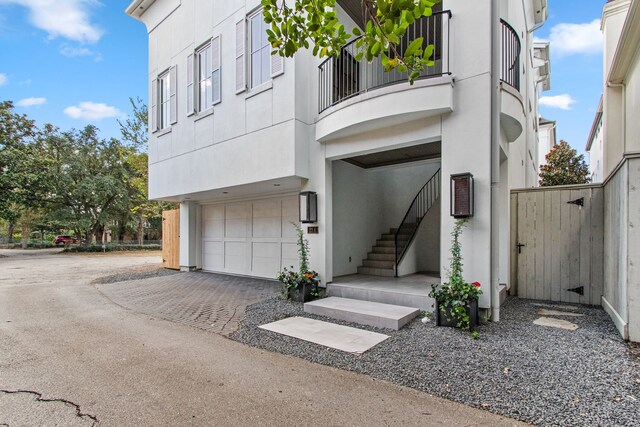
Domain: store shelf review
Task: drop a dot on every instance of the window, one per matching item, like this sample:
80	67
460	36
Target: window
164	96
163	100
205	87
203	67
260	61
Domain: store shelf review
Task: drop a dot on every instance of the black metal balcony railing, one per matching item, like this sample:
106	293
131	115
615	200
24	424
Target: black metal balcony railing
344	77
510	73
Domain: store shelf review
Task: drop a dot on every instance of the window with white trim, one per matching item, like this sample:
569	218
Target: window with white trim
164	100
203	69
205	87
260	50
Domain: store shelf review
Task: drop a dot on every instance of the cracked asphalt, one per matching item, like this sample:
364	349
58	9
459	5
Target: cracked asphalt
71	356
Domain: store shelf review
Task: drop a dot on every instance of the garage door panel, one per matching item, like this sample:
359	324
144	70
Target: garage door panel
235	228
265	260
290	256
235	257
213	255
212	222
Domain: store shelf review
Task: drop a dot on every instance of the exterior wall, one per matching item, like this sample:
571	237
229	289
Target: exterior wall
546	141
613	18
616	211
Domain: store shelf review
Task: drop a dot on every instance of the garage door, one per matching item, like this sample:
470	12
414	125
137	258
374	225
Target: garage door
255	238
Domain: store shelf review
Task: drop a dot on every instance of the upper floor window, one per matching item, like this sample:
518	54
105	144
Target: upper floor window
203	67
163	100
164	87
260	48
205	86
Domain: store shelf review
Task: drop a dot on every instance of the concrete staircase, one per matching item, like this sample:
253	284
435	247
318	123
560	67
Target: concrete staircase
382	258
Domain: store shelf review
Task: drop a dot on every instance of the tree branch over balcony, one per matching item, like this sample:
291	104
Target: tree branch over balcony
306	23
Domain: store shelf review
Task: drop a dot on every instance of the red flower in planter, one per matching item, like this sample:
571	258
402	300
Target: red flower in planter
476	284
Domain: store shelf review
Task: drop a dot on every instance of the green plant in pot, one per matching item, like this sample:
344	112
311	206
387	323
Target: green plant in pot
456	301
301	285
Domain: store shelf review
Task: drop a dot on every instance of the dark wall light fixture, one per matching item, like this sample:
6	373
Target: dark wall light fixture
462	195
308	207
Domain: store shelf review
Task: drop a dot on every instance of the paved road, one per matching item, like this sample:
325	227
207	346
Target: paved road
78	357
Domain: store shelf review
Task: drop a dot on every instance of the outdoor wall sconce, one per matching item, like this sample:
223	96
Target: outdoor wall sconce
308	207
462	195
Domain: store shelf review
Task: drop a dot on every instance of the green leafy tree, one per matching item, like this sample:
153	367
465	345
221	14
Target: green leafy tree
564	167
23	171
313	24
134	133
89	179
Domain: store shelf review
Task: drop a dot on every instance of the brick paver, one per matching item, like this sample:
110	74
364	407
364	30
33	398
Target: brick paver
213	302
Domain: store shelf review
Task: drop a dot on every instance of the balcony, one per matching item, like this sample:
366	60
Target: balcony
512	110
510	72
344	77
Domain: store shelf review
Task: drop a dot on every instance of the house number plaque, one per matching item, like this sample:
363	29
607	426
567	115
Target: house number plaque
312	230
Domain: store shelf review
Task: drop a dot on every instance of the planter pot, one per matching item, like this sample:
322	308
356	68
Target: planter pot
303	292
447	319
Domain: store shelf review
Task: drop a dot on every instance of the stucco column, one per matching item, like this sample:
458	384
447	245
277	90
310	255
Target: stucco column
188	236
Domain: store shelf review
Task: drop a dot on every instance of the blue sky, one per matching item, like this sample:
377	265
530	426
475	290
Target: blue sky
75	62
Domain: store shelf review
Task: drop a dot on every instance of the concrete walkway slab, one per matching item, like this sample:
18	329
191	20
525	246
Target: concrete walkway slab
555	323
545	312
340	337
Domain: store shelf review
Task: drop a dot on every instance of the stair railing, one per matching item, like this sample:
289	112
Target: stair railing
421	204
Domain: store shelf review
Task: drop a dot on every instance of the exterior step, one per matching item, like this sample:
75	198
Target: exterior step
363	312
390	292
378	263
385	243
384	250
381	257
385	272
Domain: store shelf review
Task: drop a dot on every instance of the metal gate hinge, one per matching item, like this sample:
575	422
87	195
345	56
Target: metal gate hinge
579	290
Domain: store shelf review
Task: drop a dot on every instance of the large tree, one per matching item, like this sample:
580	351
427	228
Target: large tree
134	133
314	24
564	167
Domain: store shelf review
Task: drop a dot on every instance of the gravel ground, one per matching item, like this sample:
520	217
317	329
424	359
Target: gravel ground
537	374
134	275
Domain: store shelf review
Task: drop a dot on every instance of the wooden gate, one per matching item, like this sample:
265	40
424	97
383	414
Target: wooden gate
557	243
171	239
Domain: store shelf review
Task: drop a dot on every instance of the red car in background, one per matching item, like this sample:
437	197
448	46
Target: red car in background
65	240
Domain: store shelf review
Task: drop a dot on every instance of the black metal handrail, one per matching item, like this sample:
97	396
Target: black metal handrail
420	205
343	77
510	73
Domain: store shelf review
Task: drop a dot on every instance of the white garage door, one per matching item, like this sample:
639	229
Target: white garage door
254	238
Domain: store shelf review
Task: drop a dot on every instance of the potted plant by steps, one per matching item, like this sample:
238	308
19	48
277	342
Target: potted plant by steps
456	301
302	285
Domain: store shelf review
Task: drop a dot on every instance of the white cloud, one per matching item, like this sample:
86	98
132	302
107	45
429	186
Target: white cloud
3	79
92	111
570	39
75	52
62	18
31	102
562	102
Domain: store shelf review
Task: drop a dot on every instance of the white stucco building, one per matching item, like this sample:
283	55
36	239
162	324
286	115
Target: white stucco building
237	134
595	147
546	139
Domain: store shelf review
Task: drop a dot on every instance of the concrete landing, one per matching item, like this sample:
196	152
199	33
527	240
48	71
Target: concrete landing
340	337
363	312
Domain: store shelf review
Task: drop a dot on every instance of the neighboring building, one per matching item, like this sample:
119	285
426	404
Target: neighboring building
237	134
595	147
621	164
546	140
